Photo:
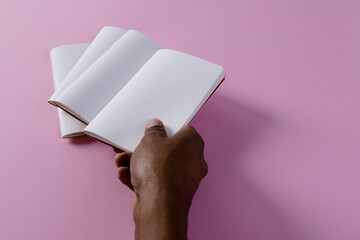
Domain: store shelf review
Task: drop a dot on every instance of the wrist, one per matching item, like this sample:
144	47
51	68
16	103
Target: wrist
162	212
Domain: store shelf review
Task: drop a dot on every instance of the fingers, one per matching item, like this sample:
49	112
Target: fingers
124	176
188	128
190	135
117	150
122	161
155	127
188	131
205	169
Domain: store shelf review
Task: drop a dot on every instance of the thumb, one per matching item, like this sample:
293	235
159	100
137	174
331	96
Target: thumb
155	127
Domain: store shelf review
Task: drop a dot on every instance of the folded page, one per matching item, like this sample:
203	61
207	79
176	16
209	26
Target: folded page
63	59
171	86
102	42
89	94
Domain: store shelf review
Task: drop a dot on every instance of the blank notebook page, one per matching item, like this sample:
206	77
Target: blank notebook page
171	86
63	59
102	42
89	94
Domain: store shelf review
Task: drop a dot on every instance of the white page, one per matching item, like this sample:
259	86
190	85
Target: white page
89	94
171	86
63	59
102	42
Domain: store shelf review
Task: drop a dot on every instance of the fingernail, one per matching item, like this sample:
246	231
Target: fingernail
153	122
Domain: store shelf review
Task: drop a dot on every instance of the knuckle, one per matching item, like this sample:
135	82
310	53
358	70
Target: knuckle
188	135
152	137
146	140
152	140
201	140
191	131
206	168
155	131
189	128
197	138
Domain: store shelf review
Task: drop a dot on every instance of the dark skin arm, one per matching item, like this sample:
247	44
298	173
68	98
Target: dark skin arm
164	173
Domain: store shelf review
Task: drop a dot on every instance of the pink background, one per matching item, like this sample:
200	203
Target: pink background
282	132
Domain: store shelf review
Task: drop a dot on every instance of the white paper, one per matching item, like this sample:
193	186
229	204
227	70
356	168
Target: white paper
63	59
171	86
89	94
102	42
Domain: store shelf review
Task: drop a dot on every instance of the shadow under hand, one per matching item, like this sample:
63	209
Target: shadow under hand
225	206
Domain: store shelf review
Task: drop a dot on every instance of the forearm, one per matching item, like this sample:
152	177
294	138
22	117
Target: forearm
160	215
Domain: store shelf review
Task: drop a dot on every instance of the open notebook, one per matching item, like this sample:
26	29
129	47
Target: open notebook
131	80
63	59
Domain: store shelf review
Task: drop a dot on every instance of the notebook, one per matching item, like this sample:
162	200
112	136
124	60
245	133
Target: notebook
63	58
131	81
103	40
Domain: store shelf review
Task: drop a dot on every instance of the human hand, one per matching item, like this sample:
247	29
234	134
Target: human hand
164	173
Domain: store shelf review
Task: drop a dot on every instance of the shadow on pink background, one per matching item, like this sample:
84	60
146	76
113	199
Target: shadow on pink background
282	132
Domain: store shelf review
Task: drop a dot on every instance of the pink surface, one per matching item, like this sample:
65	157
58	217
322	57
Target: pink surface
282	132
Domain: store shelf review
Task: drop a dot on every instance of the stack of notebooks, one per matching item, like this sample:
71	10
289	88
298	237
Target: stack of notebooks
110	88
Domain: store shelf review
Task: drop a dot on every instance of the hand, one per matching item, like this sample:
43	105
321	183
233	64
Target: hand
164	174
